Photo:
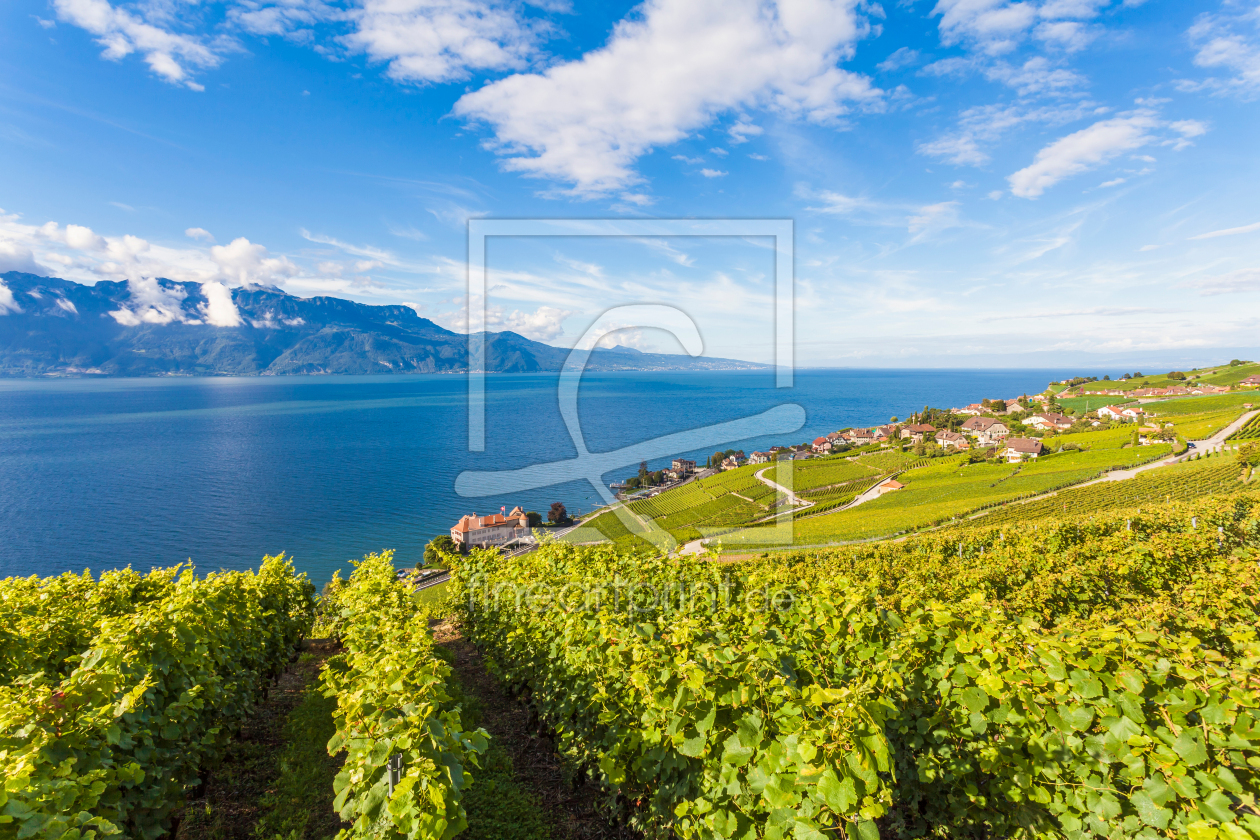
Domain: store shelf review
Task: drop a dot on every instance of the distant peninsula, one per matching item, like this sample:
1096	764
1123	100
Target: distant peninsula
55	327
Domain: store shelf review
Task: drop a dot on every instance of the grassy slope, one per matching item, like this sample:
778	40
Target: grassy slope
1216	375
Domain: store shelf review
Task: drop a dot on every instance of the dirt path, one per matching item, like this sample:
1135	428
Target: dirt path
245	788
571	809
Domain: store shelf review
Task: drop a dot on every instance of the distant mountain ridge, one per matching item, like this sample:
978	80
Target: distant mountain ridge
50	326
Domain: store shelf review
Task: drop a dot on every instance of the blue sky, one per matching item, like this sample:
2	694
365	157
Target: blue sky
972	181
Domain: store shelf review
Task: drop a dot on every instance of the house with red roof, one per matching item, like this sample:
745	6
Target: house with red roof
497	529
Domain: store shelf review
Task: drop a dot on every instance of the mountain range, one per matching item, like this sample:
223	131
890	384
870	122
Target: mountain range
50	326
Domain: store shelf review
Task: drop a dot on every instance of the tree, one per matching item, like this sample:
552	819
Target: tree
437	547
533	518
1107	377
1176	374
645	477
892	419
1235	362
557	515
1249	454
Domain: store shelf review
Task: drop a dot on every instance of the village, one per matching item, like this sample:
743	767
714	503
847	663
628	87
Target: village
1013	430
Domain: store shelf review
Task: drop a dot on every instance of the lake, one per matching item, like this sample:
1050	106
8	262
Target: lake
103	473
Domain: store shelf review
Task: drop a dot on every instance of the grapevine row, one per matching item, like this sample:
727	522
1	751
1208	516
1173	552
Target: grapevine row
111	748
393	705
771	701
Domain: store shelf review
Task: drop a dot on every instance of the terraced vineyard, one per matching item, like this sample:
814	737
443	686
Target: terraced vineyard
1251	431
837	495
949	487
1202	426
1181	482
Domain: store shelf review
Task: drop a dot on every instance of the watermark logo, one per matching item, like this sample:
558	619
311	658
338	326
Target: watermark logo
592	466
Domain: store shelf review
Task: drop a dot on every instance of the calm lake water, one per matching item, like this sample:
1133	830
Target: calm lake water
100	474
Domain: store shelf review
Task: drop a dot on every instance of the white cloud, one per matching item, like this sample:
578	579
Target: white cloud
1081	151
15	257
1069	35
992	26
712	173
1035	77
980	126
543	324
442	40
665	72
151	302
1228	232
169	54
742	130
839	203
933	218
287	18
219	310
242	262
200	234
7	303
1187	129
901	57
1114	182
377	254
1224	42
1234	282
82	238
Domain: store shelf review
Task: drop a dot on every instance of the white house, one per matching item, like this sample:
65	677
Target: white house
1017	449
986	430
1049	421
759	458
951	440
1123	413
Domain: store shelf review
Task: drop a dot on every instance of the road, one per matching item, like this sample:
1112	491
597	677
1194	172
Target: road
1212	444
792	497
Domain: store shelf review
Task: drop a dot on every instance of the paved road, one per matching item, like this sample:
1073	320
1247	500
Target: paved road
1211	444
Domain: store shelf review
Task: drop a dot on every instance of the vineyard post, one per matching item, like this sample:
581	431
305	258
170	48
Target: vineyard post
395	771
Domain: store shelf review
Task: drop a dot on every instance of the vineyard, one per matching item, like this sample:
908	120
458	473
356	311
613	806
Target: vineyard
393	705
950	487
1181	482
118	691
1250	431
993	683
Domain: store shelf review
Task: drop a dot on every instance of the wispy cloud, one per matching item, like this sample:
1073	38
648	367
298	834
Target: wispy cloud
1227	232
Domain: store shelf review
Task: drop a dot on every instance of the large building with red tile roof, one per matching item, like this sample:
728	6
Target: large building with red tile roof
497	529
